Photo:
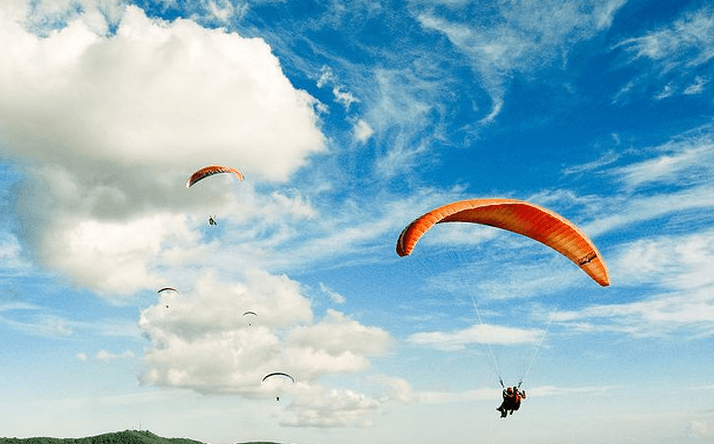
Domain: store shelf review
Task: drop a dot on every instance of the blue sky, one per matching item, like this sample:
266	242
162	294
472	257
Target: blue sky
350	119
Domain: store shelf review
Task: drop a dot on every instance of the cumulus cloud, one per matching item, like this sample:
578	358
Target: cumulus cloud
108	256
331	408
150	102
323	408
153	94
335	331
200	341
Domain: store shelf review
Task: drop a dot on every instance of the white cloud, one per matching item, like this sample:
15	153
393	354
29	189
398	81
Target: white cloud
697	87
11	260
606	159
362	131
331	408
322	408
672	262
700	429
198	90
682	165
645	208
199	340
41	325
150	103
677	271
676	52
476	334
687	42
394	389
336	330
399	110
103	355
520	36
111	257
333	295
224	10
683	161
667	91
344	98
326	75
43	16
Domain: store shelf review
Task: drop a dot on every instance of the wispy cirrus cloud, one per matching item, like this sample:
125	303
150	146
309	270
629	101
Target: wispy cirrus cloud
520	36
676	54
476	334
687	42
40	325
684	161
103	355
680	295
657	182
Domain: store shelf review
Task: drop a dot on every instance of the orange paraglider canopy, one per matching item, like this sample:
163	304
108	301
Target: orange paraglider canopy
517	216
209	171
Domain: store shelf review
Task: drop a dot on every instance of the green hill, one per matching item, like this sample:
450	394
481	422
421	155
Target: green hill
125	437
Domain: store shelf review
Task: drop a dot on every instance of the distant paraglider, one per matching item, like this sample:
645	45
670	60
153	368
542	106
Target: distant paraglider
250	314
517	216
167	289
280	375
210	171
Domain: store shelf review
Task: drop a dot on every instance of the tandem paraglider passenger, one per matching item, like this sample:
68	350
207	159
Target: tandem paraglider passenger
512	398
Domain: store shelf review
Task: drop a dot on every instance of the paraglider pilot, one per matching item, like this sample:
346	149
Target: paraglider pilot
212	221
507	397
511	401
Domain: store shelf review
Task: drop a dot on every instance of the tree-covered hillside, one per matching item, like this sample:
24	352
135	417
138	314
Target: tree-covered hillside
125	437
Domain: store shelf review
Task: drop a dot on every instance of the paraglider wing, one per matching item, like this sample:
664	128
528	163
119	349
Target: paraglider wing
517	216
270	375
209	171
167	289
